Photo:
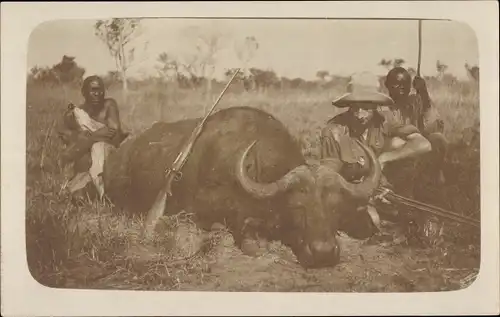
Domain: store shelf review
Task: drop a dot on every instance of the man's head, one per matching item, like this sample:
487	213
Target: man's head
363	96
398	83
363	112
93	90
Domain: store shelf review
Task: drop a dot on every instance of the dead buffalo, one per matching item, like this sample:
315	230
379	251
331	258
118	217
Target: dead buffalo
245	171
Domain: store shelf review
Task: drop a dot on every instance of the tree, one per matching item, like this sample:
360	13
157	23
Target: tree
66	71
390	63
245	51
201	60
472	71
120	37
168	67
322	74
441	68
111	78
264	78
398	62
387	63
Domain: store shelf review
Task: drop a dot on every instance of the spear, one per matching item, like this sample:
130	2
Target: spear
419	46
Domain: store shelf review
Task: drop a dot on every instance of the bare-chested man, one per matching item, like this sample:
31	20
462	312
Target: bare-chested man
90	131
416	108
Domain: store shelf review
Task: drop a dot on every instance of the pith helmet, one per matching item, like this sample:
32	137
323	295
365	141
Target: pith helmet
363	88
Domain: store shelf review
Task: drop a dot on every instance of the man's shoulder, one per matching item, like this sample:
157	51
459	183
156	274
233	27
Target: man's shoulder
340	119
388	114
110	102
336	126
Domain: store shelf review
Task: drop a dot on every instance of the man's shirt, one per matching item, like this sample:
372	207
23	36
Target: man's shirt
338	139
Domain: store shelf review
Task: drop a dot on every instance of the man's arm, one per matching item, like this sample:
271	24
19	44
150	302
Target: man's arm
113	125
66	127
428	117
407	142
329	145
113	115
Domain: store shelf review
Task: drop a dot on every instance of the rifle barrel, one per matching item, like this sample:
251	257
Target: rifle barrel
158	207
220	96
432	209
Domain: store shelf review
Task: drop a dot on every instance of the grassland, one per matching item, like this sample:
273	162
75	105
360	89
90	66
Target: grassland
95	246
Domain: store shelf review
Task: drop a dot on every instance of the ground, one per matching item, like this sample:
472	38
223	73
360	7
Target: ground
95	246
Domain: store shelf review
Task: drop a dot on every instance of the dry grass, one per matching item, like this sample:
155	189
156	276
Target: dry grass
95	246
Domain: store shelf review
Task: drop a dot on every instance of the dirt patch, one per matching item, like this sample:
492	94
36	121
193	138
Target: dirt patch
176	263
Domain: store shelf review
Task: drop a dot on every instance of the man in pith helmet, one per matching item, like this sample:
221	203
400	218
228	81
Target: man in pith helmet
369	118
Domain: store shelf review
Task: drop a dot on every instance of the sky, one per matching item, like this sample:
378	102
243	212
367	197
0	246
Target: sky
292	48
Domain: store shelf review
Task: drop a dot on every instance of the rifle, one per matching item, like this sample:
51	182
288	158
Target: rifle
174	172
416	205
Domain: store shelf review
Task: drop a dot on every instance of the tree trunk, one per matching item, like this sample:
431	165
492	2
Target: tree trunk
124	87
123	72
209	86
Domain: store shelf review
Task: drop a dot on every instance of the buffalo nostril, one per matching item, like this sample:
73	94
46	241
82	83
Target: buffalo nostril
326	252
319	254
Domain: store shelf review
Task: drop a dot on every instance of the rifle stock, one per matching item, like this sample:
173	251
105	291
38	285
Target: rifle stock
174	172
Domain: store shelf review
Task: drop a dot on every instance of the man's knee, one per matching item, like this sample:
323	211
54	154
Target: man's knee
438	138
102	149
439	145
396	143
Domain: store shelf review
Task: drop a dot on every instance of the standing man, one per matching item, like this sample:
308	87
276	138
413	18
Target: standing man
90	131
391	139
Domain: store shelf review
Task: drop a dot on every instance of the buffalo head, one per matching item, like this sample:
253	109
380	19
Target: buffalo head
312	197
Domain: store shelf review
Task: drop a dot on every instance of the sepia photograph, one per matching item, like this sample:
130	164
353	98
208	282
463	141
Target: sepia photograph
224	154
233	155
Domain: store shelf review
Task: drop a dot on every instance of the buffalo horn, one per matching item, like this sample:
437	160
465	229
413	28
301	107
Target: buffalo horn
364	189
263	190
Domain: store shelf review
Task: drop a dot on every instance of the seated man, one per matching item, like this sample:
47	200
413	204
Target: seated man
382	130
415	108
90	131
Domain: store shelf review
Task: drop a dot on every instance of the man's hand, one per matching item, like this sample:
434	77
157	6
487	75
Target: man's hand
419	85
104	134
415	145
381	196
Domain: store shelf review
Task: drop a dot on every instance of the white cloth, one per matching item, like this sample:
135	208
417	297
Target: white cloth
99	153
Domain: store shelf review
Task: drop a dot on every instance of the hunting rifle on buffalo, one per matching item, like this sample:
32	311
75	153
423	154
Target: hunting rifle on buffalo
174	172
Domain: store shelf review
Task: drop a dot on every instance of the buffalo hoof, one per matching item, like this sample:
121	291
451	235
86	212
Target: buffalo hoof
253	248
